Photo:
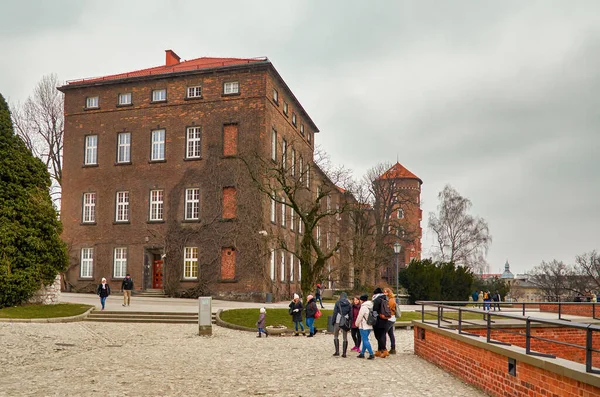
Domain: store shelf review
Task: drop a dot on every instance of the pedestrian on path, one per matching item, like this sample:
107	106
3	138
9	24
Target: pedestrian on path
127	287
356	302
103	291
341	321
392	320
318	293
496	298
311	310
260	324
381	327
295	310
365	328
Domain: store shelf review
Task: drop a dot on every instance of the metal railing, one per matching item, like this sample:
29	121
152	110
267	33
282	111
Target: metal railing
462	307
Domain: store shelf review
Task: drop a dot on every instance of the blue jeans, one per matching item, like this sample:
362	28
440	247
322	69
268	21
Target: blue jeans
366	344
103	300
309	323
261	330
318	299
301	325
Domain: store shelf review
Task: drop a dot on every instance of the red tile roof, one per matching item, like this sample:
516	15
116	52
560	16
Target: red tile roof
398	171
193	64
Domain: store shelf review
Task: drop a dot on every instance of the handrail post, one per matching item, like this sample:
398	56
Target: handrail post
489	325
588	351
559	310
423	312
459	320
523	309
527	336
438	317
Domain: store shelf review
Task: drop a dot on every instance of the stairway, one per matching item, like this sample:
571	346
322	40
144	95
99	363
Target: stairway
144	317
150	293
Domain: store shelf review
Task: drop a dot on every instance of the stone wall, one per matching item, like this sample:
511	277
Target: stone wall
49	294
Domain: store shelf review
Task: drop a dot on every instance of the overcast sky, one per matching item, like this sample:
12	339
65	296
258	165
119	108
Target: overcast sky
500	99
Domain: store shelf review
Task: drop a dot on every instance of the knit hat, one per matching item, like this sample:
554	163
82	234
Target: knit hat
296	296
103	279
343	296
364	297
378	291
263	310
309	297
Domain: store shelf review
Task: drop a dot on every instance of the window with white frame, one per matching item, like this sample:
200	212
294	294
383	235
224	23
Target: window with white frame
122	209
302	129
124	147
300	168
283	211
300	225
91	150
272	265
293	162
291	266
159	95
86	267
156	205
120	263
91	102
89	208
294	119
328	203
273	208
275	96
190	263
400	213
158	145
125	98
273	144
338	216
308	136
282	264
327	240
319	235
192	204
307	175
299	270
194	92
284	153
292	219
231	87
285	108
194	142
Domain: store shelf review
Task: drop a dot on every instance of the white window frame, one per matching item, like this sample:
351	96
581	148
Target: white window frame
338	216
300	225
328	201
158	145
91	150
300	168
284	147
273	144
319	235
159	95
299	270
273	208
291	266
156	205
89	208
92	102
309	136
124	147
272	262
192	204
125	98
193	144
400	213
282	265
194	92
294	121
120	262
292	219
285	108
231	87
302	129
275	95
122	206
86	266
283	211
190	263
293	162
307	175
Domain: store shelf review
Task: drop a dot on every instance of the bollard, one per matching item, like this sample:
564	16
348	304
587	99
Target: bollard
205	315
329	326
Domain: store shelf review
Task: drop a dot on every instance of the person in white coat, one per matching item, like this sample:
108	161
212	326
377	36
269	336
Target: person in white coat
365	329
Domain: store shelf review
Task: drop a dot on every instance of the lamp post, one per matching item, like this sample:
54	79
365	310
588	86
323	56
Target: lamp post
397	248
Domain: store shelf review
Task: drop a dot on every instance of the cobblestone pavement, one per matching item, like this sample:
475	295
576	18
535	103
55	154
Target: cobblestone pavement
112	359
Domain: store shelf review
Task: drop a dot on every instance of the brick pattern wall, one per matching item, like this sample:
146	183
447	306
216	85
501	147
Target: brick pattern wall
488	370
575	309
229	203
227	263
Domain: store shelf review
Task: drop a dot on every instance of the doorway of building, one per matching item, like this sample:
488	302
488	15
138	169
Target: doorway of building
157	274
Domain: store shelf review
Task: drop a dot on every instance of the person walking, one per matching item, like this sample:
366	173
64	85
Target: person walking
487	298
318	295
364	327
311	310
480	300
341	321
496	298
392	320
103	291
355	331
382	324
475	298
260	324
295	310
127	287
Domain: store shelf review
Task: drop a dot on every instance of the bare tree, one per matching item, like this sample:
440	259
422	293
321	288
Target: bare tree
40	123
588	266
552	279
461	238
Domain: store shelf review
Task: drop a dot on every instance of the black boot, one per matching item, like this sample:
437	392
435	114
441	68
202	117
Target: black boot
344	348
310	335
266	334
258	336
336	343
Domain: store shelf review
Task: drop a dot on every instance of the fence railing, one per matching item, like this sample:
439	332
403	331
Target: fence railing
442	318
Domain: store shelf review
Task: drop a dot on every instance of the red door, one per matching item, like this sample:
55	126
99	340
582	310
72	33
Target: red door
157	274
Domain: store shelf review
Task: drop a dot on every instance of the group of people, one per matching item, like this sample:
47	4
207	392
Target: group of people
486	299
103	290
358	317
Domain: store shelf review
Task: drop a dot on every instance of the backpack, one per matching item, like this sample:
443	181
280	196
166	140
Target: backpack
486	296
384	309
372	317
398	313
291	309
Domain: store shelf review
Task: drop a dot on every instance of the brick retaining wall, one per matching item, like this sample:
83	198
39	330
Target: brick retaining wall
578	309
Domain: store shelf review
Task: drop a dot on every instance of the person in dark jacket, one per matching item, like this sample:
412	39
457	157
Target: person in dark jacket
496	298
296	307
126	287
103	291
382	325
311	310
355	331
341	314
318	293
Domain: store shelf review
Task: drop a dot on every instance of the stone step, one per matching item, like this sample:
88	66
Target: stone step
145	317
142	320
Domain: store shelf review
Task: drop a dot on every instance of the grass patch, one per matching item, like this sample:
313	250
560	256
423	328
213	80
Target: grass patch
44	311
249	317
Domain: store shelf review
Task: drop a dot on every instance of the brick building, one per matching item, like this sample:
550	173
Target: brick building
155	183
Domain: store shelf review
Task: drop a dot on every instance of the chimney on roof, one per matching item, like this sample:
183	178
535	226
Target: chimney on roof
171	58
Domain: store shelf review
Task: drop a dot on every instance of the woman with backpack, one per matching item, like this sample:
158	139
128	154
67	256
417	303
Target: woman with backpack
341	320
392	320
382	325
365	329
